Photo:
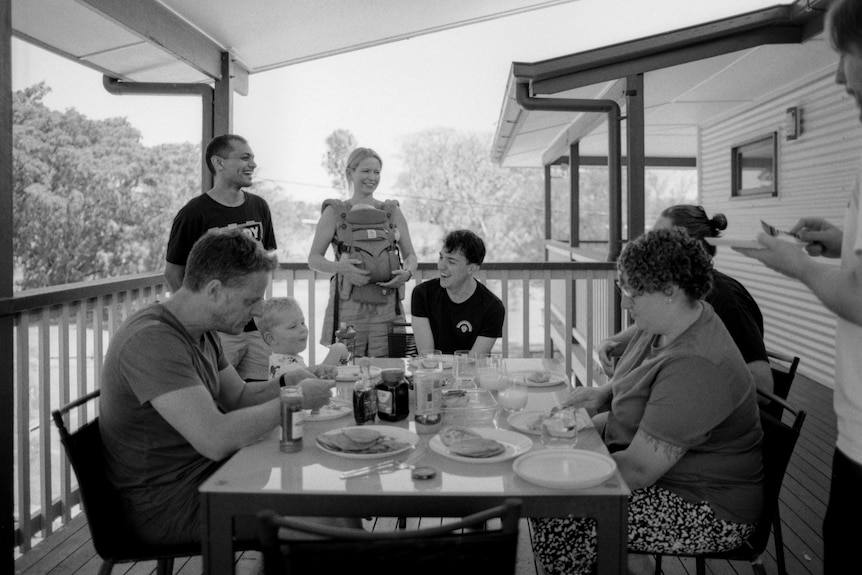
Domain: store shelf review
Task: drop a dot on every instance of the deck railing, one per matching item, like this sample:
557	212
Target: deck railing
61	334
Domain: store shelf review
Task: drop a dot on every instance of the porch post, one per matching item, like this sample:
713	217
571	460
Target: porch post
547	203
222	118
575	195
635	153
7	349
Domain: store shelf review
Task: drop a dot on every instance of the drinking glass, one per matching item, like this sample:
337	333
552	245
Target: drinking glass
432	359
489	372
560	429
464	369
513	395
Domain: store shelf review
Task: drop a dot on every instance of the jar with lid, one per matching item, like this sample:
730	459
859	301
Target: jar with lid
364	395
393	401
291	419
428	386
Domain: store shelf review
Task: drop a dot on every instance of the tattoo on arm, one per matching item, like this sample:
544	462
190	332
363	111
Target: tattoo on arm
667	450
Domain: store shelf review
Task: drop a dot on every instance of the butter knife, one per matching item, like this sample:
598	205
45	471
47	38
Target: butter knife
412	459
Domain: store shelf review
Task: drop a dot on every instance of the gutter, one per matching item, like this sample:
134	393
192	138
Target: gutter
612	110
204	91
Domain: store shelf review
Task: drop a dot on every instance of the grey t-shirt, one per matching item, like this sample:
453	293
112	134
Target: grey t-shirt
155	469
695	393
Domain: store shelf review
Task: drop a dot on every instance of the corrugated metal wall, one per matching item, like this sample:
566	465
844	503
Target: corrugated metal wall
815	173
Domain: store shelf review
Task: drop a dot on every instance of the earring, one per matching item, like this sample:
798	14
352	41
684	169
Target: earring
670	300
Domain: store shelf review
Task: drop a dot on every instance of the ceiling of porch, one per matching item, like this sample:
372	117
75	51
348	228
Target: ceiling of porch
683	88
182	41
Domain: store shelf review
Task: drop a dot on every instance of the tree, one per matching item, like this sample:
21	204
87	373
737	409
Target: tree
449	180
663	187
89	200
339	144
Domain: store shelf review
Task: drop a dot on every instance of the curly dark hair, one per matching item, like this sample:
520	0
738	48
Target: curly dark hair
662	258
468	243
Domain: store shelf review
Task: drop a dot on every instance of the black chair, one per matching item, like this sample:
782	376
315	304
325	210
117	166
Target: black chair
783	371
779	439
425	551
111	538
402	342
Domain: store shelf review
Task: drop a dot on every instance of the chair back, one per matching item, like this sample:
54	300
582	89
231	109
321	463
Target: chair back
779	440
783	371
402	342
421	552
101	504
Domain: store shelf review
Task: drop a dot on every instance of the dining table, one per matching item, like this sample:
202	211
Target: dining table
307	482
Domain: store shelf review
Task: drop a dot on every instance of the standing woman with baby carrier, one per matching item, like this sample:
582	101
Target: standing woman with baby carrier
373	258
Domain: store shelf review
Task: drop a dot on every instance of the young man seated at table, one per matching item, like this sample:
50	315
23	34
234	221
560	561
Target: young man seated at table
172	407
455	312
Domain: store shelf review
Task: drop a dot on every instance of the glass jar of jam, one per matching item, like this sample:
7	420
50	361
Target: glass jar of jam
393	399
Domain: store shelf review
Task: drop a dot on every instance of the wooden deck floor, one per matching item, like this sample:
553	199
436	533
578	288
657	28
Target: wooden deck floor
69	551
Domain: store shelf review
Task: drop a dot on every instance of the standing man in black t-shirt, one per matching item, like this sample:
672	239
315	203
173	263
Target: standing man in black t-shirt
456	312
226	206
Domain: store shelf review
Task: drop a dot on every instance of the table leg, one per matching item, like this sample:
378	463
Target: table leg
612	541
217	542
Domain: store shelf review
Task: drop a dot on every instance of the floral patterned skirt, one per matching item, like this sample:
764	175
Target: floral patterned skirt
659	521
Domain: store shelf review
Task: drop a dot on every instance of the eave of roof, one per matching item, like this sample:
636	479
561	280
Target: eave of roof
599	70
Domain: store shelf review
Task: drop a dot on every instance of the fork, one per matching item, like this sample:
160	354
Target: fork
390	464
775	232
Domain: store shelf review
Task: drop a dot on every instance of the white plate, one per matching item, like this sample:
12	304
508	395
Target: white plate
522	419
351	372
750	244
553	378
564	468
330	411
515	443
398	433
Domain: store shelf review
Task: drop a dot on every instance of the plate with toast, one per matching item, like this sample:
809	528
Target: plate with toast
479	444
540	378
367	441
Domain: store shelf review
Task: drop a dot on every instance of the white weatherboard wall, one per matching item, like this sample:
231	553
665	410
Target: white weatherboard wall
815	175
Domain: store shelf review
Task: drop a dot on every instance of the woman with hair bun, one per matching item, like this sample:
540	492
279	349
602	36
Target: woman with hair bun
729	298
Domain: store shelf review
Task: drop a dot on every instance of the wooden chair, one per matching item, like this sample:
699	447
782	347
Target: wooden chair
436	550
779	440
111	537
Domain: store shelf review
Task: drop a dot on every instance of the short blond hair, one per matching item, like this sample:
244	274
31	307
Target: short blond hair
273	311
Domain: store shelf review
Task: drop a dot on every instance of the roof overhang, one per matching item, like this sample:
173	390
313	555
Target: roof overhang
691	76
182	41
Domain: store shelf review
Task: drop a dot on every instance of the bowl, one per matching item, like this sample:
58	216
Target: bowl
468	407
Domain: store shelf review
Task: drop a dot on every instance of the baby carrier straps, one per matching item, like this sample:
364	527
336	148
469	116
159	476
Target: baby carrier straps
368	235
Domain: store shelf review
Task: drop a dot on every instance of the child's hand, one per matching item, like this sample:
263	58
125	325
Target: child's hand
324	371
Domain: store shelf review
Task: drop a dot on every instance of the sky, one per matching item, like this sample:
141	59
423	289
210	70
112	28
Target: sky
454	78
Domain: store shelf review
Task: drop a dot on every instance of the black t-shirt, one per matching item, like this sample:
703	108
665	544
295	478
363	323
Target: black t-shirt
202	214
456	326
740	315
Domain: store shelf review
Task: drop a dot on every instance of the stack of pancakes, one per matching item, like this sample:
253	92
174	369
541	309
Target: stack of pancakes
465	442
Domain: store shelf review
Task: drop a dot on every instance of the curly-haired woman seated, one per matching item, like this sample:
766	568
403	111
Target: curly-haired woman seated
682	423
